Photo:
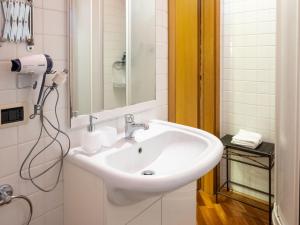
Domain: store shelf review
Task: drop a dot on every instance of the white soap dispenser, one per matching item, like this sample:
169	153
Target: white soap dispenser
91	139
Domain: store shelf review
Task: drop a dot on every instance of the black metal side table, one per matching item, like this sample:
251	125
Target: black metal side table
249	157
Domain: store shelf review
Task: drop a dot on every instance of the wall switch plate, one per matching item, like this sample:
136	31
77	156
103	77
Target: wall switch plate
13	114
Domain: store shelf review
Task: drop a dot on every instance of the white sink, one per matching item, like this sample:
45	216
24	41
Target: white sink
175	155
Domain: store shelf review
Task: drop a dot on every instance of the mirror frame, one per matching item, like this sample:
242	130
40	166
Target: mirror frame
105	115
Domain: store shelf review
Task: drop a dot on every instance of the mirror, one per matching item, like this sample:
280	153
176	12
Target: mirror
112	54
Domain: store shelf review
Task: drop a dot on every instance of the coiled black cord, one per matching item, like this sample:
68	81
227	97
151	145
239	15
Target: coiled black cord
31	157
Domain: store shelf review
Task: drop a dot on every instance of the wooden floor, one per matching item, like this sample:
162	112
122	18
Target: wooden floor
227	212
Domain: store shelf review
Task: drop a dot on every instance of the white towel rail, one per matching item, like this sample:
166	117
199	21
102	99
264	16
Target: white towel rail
17	23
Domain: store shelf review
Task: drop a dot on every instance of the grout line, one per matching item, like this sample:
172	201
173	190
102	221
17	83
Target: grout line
142	212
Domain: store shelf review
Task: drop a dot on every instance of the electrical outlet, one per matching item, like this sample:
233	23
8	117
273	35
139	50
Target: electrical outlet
13	114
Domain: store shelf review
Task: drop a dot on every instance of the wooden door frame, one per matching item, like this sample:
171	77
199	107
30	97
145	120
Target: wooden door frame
209	64
172	61
208	74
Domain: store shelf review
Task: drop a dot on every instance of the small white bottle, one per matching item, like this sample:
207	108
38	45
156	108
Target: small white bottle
91	139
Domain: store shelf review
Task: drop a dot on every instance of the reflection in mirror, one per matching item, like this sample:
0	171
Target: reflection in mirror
86	57
142	49
112	54
81	57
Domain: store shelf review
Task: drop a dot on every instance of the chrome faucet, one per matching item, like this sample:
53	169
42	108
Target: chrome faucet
131	126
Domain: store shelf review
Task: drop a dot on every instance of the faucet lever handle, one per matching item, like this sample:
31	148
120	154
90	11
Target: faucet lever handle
91	126
91	117
129	118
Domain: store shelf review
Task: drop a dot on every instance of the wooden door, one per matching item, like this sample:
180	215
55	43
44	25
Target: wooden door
194	68
183	62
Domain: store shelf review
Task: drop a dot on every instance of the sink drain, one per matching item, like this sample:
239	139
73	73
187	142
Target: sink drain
148	173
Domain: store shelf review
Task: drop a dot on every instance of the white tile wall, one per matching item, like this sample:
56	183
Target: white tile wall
51	38
248	75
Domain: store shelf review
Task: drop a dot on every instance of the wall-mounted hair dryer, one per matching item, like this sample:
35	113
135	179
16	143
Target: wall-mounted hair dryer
38	66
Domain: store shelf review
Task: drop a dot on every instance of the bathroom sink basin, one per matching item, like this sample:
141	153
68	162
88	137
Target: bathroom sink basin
159	160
